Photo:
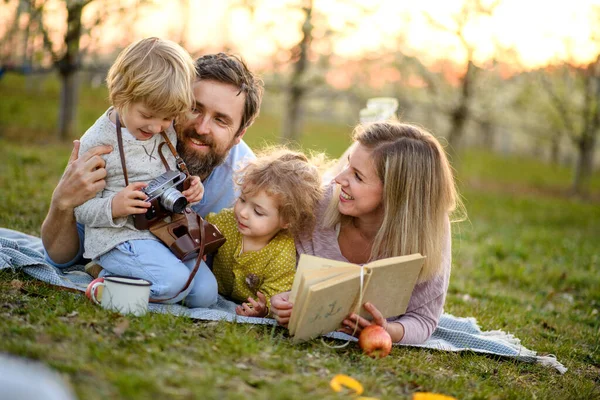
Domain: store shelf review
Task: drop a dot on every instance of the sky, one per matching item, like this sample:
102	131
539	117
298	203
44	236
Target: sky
539	32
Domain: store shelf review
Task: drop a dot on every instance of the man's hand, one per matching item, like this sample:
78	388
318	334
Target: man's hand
82	179
254	308
195	192
130	200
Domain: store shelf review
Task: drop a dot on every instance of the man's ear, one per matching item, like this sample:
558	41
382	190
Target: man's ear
239	137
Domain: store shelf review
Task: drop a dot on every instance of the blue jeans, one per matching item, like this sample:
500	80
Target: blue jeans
153	261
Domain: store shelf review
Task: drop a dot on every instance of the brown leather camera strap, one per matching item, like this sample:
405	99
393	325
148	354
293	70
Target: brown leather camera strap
121	151
198	235
180	164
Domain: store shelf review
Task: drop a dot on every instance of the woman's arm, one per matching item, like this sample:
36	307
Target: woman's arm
424	308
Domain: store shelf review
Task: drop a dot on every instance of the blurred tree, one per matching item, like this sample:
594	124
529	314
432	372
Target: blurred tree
67	61
574	93
307	62
290	131
460	111
538	118
65	54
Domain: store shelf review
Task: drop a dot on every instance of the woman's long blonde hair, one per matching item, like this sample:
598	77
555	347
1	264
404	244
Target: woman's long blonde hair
419	193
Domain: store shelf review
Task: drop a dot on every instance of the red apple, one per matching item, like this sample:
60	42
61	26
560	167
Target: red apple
375	341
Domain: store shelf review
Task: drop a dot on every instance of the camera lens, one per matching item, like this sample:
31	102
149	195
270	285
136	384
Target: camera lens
173	200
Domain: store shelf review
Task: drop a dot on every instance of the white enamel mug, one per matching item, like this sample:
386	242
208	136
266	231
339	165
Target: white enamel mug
123	294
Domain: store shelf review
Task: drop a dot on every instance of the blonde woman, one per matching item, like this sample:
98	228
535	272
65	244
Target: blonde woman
395	197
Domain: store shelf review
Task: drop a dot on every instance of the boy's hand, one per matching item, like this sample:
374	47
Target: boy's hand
195	192
255	308
130	200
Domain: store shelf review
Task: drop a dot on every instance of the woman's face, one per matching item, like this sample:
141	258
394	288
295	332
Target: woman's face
362	190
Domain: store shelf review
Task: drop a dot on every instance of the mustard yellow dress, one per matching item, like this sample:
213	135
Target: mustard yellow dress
269	270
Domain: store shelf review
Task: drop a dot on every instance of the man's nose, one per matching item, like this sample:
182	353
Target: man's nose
202	125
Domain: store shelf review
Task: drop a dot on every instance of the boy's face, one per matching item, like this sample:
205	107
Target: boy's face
257	217
143	123
210	132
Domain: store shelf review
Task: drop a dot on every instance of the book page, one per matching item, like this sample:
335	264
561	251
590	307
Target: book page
309	263
325	306
308	279
323	300
391	284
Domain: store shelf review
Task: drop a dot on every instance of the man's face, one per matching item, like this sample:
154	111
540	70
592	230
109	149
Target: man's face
205	140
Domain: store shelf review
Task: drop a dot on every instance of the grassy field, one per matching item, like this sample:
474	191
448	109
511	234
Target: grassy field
526	261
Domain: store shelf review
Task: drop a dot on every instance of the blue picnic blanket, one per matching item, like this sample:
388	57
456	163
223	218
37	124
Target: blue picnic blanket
25	252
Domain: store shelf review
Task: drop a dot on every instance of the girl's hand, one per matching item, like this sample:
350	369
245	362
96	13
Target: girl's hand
195	192
130	200
281	308
255	308
354	324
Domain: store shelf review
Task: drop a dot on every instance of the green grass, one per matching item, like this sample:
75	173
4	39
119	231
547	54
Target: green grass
526	261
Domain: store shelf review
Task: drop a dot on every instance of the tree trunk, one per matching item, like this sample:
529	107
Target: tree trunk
460	115
68	65
292	120
292	117
68	105
488	133
585	164
555	150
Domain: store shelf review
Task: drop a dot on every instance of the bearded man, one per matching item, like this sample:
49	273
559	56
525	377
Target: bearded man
227	101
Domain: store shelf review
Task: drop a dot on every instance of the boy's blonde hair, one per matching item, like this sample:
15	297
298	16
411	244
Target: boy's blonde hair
156	72
291	178
419	193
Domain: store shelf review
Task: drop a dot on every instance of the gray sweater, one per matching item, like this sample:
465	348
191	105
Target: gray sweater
102	232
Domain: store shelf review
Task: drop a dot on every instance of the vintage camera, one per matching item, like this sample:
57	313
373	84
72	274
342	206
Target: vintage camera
164	197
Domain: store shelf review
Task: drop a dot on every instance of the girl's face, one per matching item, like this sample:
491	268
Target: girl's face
143	123
362	190
257	216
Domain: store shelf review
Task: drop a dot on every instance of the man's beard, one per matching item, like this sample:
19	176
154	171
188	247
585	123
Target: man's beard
201	164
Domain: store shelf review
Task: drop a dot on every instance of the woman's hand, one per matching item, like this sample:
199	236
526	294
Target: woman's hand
130	200
254	308
281	308
195	192
355	322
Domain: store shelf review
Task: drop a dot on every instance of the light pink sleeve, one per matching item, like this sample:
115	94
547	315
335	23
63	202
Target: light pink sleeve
427	301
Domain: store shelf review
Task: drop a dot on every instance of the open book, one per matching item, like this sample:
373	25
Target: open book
325	291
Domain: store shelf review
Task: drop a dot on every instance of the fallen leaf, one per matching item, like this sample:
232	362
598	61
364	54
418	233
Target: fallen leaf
43	338
16	284
121	327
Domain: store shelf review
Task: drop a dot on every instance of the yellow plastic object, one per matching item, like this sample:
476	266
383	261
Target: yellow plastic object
339	381
431	396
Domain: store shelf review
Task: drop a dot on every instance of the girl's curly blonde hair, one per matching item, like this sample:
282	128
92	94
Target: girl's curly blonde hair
291	178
